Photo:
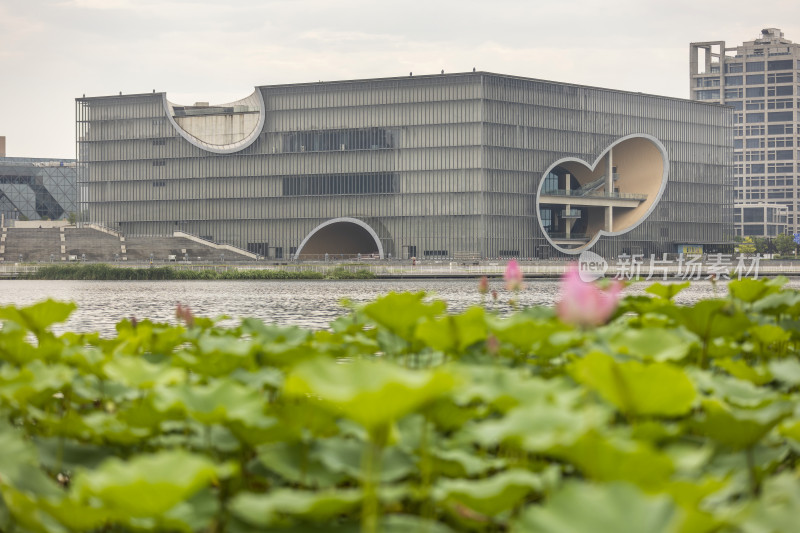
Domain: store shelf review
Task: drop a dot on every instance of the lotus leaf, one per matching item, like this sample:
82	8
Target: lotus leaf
453	333
607	508
613	458
372	393
786	371
758	375
667	291
739	428
138	373
654	389
271	509
400	313
147	485
538	428
220	401
38	317
490	496
734	391
295	463
778	508
751	290
654	344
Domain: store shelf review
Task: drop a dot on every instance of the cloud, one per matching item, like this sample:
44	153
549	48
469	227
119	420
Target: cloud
98	4
345	37
16	29
218	51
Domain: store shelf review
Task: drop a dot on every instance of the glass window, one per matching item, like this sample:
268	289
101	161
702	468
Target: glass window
782	77
755	117
779	129
780	168
733	93
780	142
737	105
782	90
783	64
781	103
752	230
754	91
755	79
550	182
734	67
755	143
781	116
708	94
737	143
733	80
707	82
753	214
755	66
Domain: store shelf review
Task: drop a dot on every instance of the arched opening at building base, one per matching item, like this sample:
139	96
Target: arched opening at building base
340	238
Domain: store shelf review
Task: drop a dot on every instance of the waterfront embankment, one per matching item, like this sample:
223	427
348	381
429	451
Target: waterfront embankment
674	270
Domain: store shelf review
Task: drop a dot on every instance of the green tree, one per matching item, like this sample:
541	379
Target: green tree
747	246
72	217
784	244
762	245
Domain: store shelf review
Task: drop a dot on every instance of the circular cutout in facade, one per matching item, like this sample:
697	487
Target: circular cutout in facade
221	129
577	202
338	238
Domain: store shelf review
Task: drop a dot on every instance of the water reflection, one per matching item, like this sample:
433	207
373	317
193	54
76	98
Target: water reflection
312	304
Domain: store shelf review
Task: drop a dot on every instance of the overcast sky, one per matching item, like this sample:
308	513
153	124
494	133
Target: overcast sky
52	51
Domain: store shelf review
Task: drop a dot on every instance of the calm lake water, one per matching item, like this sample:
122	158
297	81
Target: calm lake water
313	304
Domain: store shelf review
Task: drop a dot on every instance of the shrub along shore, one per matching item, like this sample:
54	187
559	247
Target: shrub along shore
100	271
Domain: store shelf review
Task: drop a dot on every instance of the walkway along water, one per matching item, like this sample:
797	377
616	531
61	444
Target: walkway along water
659	270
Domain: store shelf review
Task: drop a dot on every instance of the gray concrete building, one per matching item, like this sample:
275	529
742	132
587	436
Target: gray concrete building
761	218
759	80
469	165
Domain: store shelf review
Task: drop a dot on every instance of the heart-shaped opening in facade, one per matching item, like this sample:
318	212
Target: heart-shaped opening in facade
578	202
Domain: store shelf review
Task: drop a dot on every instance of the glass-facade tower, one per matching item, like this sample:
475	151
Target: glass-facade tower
759	79
441	166
37	188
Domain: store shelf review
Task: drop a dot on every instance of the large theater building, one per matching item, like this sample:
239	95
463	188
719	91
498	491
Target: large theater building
443	166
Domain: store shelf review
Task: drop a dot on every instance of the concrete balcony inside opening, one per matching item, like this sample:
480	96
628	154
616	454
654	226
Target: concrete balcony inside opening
577	202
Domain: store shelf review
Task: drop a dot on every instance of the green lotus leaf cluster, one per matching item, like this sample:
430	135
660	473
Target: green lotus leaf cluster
401	417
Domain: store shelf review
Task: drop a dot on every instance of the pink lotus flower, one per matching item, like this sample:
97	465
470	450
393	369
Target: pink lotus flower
182	312
585	304
513	276
483	285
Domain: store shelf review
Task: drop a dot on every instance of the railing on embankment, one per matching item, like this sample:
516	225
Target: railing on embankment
444	269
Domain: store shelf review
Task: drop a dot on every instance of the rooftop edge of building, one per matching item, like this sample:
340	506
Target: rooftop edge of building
414	77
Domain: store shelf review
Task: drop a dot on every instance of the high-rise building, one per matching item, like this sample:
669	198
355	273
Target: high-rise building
759	79
438	166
